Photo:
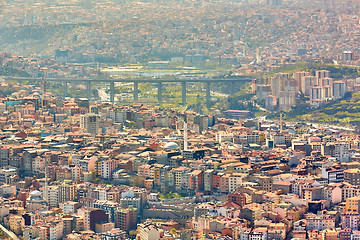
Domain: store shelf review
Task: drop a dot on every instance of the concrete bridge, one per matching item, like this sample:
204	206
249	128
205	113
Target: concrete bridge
158	81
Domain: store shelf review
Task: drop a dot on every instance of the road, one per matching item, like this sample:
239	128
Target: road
104	97
317	125
9	233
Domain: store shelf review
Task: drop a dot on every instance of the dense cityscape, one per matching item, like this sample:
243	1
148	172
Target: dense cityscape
183	120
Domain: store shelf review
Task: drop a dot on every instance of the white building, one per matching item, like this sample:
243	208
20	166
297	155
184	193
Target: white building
342	151
56	230
107	168
6	174
148	231
235	180
69	207
117	115
53	196
320	222
90	123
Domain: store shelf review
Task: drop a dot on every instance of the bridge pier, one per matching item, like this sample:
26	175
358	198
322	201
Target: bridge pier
160	92
65	88
66	82
208	94
136	91
88	89
232	90
183	90
112	92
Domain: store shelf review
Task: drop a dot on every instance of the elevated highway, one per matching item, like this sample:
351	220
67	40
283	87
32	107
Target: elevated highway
158	81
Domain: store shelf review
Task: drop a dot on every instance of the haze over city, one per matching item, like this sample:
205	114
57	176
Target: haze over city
169	119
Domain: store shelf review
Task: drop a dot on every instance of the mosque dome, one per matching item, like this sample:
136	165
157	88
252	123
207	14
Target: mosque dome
171	145
35	196
35	193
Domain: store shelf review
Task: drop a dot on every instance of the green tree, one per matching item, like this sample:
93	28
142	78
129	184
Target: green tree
137	181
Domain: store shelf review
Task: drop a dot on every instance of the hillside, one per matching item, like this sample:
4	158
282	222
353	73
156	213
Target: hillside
8	71
344	111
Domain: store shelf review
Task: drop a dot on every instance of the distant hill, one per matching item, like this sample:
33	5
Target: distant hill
25	40
8	71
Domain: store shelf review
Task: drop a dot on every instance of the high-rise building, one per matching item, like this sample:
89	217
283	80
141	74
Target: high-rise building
109	206
93	216
286	99
208	180
326	92
126	218
274	3
315	92
107	168
278	83
118	115
350	220
270	102
326	81
322	74
352	204
298	77
196	180
53	196
16	223
339	89
347	56
253	86
263	91
306	83
342	151
4	156
67	192
90	122
133	202
352	176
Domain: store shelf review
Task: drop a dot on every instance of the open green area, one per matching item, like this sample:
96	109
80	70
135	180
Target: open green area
170	195
344	111
9	71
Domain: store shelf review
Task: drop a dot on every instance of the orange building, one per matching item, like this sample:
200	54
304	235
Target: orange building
196	180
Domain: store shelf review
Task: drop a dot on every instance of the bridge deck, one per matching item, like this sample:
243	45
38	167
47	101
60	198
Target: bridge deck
195	80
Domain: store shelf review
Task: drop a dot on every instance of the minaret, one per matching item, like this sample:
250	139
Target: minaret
185	136
281	127
46	183
43	82
257	55
177	127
